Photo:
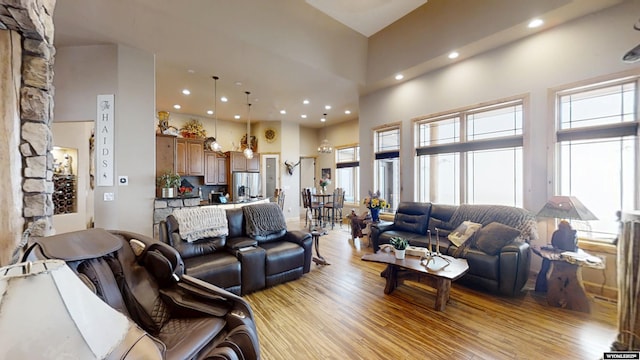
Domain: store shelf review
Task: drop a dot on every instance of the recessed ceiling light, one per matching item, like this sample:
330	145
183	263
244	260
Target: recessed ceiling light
453	55
186	92
224	99
305	101
323	119
535	23
327	107
304	116
238	83
399	77
347	112
283	112
210	112
236	117
176	106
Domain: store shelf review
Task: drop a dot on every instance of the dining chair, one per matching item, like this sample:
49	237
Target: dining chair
312	208
335	206
278	197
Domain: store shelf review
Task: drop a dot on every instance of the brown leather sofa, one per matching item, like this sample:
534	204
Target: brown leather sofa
239	263
504	272
179	317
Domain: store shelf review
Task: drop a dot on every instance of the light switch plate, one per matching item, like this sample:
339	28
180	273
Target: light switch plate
108	196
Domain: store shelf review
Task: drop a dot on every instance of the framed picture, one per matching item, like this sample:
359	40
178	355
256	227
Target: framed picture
326	173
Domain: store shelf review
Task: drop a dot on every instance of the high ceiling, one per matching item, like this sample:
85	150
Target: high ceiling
329	52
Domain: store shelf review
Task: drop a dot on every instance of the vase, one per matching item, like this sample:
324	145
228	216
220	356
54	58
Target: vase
323	190
400	253
375	215
168	192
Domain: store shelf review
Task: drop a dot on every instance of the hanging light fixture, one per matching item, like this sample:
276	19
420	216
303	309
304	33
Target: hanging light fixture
215	146
324	147
248	153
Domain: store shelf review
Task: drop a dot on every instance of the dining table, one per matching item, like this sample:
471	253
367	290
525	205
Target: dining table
321	199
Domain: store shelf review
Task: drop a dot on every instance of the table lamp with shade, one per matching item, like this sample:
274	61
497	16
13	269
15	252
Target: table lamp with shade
564	208
47	312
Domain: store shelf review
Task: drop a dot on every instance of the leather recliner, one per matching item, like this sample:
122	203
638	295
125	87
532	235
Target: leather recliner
143	279
237	262
411	222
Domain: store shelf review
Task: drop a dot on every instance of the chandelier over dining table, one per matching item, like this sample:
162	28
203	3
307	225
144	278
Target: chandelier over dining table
325	147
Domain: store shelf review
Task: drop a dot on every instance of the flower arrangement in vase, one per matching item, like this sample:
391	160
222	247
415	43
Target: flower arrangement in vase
374	203
324	182
193	129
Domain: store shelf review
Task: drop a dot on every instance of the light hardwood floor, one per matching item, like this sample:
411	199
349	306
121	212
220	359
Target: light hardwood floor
340	311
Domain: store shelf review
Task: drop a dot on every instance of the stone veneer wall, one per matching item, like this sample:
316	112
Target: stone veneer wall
33	20
164	207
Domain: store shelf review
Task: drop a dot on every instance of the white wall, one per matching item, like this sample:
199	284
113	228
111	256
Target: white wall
82	73
577	51
587	48
290	142
229	132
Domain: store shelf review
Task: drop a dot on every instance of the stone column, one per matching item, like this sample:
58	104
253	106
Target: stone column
26	110
11	221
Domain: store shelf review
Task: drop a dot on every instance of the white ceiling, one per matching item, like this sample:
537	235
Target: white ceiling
366	16
285	51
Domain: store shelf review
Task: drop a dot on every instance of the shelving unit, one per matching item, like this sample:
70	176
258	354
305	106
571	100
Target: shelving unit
64	194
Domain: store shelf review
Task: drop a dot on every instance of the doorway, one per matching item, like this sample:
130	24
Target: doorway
307	177
270	165
76	135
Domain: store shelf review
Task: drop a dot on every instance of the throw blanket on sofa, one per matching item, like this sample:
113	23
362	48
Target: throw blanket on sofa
263	219
517	218
195	223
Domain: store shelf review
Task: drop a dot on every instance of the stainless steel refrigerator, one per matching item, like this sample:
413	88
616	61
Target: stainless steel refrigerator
246	186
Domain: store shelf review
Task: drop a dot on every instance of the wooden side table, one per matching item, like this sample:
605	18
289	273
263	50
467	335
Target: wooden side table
315	236
561	277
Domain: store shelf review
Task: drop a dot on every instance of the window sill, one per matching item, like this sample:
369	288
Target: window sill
596	246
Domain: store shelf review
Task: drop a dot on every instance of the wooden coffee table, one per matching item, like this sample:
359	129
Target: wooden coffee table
440	279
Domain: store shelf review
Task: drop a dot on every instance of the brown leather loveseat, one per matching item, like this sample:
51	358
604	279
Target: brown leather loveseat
243	261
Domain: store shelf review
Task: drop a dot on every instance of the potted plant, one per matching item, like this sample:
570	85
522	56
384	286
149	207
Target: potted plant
400	245
168	182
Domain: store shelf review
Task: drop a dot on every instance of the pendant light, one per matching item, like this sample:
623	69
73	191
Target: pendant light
248	153
215	146
324	147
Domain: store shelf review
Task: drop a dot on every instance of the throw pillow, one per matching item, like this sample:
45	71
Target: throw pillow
494	236
463	232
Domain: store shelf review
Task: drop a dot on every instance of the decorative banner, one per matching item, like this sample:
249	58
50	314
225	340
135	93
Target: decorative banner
104	140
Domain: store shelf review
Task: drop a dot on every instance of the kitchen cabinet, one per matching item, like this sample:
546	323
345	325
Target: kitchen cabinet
165	154
190	157
215	168
237	162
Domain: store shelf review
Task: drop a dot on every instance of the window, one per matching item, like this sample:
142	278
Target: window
348	172
387	165
471	156
597	152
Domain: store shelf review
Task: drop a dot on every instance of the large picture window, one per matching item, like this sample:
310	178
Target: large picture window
348	172
387	165
597	148
471	156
